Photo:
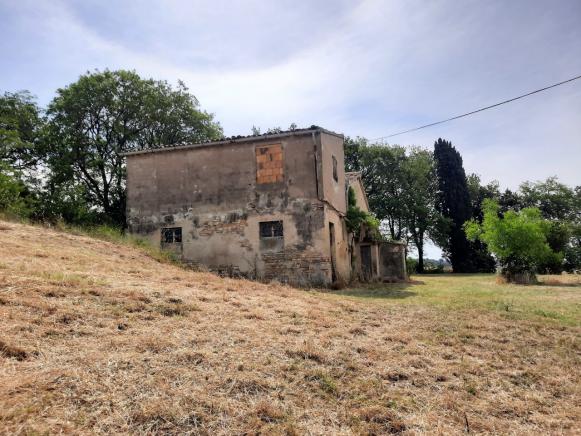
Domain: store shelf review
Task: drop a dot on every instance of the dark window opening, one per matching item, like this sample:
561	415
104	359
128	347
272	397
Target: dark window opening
172	235
271	229
335	174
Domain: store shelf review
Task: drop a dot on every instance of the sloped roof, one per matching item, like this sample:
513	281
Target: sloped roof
235	140
353	178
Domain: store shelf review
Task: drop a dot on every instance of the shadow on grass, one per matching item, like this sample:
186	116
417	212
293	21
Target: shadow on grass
394	291
558	283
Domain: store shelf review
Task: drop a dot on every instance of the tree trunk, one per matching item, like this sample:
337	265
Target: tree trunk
521	278
420	259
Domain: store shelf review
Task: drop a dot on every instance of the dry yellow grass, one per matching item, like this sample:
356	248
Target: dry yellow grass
100	338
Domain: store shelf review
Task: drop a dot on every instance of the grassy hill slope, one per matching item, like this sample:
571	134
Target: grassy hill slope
97	337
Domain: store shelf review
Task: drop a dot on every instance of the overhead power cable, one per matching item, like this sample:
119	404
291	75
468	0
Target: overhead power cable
479	110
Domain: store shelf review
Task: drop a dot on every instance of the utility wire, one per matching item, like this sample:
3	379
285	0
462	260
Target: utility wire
479	110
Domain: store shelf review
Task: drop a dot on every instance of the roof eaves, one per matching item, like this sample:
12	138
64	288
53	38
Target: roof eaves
235	140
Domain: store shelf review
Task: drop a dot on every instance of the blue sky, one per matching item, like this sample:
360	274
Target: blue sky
366	68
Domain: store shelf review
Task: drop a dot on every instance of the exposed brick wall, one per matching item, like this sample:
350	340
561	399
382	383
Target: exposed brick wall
221	224
230	223
269	164
297	267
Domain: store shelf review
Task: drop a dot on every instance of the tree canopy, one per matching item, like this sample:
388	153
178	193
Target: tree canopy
20	130
517	239
92	121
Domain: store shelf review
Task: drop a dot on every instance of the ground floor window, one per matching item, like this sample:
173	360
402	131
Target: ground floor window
171	235
271	236
271	229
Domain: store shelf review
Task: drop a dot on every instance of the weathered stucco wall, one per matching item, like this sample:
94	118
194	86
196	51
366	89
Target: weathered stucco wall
392	265
333	190
385	261
212	193
217	178
341	245
360	197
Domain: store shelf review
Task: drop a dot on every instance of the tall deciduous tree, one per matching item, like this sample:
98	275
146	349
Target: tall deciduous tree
454	203
94	120
555	200
382	171
423	220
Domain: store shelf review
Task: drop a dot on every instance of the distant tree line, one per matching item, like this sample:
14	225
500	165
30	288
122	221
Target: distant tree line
64	162
420	195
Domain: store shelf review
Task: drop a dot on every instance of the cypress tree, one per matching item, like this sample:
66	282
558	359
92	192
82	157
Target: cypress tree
454	203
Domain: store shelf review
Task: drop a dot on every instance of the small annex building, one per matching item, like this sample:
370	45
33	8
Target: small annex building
373	260
266	207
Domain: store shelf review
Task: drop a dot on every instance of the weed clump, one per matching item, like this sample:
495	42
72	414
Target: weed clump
382	420
326	382
269	413
12	352
306	352
357	331
396	376
67	318
176	309
247	387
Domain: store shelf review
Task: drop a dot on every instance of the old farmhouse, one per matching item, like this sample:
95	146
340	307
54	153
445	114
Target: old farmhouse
270	207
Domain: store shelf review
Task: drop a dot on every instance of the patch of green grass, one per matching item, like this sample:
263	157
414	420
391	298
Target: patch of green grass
560	303
326	382
118	236
65	279
471	389
549	314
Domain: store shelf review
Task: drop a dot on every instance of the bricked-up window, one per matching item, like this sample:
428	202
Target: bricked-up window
269	164
335	175
271	229
171	235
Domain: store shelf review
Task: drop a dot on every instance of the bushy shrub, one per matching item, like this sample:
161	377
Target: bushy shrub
433	268
517	239
411	265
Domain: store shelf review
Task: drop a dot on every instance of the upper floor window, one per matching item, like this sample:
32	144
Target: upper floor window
335	173
269	164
